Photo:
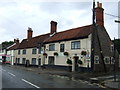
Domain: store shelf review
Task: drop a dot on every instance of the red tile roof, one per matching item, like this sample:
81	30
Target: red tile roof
70	34
32	42
13	47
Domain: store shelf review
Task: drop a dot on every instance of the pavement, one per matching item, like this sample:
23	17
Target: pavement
104	79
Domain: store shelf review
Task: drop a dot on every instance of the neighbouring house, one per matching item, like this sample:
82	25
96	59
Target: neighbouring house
56	49
3	52
11	51
29	51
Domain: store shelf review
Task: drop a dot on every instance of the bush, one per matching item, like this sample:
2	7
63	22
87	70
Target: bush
83	53
66	53
69	61
55	54
80	62
45	54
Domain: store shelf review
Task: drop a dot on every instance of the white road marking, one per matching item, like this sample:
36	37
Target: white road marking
30	83
11	77
11	74
3	70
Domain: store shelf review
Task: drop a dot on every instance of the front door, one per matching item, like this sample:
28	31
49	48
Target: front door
27	63
51	60
76	63
39	62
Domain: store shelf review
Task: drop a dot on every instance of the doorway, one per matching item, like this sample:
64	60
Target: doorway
39	62
51	60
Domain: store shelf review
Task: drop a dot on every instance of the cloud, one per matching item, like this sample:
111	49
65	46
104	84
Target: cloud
16	16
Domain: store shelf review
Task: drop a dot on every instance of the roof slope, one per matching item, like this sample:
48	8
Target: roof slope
13	47
32	42
80	32
70	34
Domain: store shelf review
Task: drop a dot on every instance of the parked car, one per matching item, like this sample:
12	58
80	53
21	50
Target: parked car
0	61
7	62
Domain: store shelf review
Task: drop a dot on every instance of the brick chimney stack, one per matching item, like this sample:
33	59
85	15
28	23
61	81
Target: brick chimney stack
30	32
99	11
53	27
16	41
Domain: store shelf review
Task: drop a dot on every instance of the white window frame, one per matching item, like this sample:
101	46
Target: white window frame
35	61
24	51
34	51
75	45
51	47
112	60
105	60
96	58
19	52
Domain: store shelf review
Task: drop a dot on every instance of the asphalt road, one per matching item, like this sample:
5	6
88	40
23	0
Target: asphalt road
19	78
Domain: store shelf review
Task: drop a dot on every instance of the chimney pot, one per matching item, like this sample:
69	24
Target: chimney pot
100	5
16	40
99	14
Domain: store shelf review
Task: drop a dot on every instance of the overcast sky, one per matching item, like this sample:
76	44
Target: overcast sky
17	15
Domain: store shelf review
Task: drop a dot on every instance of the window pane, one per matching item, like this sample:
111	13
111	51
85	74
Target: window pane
18	60
33	61
96	59
107	60
18	51
61	47
24	51
75	45
52	47
34	51
39	50
23	61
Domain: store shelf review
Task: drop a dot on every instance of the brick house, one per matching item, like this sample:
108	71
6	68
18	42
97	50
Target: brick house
55	48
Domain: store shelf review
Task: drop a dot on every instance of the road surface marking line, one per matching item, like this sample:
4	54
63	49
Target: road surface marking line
30	83
11	74
3	70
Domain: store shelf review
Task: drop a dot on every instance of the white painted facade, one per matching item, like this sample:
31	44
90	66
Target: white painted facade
10	57
85	45
27	56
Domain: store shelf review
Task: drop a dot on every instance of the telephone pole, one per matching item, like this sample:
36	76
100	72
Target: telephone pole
93	36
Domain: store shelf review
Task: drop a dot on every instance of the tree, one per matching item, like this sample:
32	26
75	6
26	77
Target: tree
6	44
